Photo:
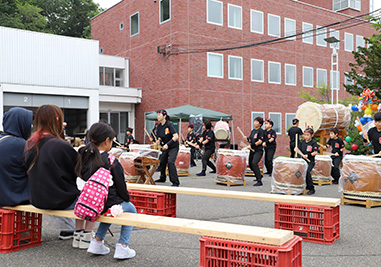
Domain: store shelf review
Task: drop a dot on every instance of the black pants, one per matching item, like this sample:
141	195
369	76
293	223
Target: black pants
335	171
269	156
206	161
169	156
310	184
254	159
292	151
193	154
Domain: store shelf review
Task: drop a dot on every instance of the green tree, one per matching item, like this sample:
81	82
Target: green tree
8	14
366	72
322	95
30	17
357	139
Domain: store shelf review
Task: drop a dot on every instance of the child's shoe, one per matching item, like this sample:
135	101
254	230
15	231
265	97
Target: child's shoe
76	239
123	252
85	240
98	247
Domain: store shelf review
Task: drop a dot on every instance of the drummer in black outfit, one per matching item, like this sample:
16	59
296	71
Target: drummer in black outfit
292	132
129	139
256	139
374	135
191	142
208	140
337	145
168	138
270	145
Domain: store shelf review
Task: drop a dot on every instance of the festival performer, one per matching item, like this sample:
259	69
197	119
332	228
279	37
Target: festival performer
91	157
256	139
309	149
129	139
292	132
191	142
374	135
337	145
270	145
208	140
168	139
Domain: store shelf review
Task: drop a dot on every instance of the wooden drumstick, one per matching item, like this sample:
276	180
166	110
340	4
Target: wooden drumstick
147	133
239	129
116	142
297	148
154	136
320	144
246	146
362	128
373	156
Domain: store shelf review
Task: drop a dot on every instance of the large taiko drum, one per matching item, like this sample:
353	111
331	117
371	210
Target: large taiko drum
361	177
116	152
183	161
222	130
289	175
131	175
138	147
248	171
322	168
323	116
231	165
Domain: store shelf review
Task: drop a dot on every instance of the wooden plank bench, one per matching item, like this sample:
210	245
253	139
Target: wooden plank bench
187	226
304	200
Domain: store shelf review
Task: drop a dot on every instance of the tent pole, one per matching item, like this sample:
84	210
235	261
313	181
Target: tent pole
233	133
180	131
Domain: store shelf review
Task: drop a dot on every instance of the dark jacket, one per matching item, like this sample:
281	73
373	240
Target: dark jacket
52	179
14	188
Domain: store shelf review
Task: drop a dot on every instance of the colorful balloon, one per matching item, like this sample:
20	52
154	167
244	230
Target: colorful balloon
359	128
354	146
364	107
363	120
355	108
374	107
348	139
368	111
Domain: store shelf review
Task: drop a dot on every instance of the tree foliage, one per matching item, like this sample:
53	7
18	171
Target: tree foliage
366	72
322	95
62	17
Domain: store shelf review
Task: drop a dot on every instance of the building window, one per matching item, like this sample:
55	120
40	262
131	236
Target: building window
215	65
348	81
235	67
360	42
111	77
274	72
336	34
288	120
277	119
255	114
273	25
134	20
308	76
348	40
321	77
290	74
335	80
257	70
290	28
321	34
308	34
343	4
234	17
256	21
121	26
165	10
214	12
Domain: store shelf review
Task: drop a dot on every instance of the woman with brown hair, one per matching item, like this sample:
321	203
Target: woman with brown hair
51	162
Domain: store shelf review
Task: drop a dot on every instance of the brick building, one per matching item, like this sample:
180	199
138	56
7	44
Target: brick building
170	46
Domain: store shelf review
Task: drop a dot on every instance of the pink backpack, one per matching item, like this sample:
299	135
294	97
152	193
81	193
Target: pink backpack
94	194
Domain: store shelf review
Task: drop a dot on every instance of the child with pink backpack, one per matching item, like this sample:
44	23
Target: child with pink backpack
91	157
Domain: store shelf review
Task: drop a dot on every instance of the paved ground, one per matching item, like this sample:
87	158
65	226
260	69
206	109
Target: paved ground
359	244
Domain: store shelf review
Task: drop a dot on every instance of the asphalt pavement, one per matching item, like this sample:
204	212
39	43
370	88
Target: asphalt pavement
359	243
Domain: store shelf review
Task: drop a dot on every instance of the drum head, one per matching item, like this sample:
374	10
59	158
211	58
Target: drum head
309	114
221	134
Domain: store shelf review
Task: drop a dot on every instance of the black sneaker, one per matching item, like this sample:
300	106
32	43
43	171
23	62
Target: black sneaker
213	171
311	192
259	183
159	181
64	235
335	181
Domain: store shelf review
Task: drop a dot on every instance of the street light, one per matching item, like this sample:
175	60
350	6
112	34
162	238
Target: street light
335	83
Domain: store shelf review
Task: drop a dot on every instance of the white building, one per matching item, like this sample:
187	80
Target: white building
38	68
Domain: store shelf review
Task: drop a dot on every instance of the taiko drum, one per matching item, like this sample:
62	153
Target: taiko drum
231	164
322	168
127	161
182	162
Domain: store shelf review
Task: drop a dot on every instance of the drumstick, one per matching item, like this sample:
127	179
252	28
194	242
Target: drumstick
373	156
362	128
147	133
116	142
154	136
297	148
239	129
244	145
319	144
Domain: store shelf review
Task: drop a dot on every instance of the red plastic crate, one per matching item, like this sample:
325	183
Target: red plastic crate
154	203
313	223
218	252
19	230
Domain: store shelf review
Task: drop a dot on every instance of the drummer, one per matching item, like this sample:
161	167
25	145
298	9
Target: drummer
191	142
270	145
168	139
129	139
374	135
208	140
256	139
309	149
337	145
292	132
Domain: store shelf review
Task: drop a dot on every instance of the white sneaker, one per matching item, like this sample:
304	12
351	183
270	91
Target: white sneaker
85	240
123	252
97	247
76	239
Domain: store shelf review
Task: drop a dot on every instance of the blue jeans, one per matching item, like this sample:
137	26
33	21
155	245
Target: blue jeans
125	233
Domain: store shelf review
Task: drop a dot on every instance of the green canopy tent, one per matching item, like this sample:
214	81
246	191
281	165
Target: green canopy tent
182	114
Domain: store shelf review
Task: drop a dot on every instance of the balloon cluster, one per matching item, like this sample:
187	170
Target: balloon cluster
348	139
